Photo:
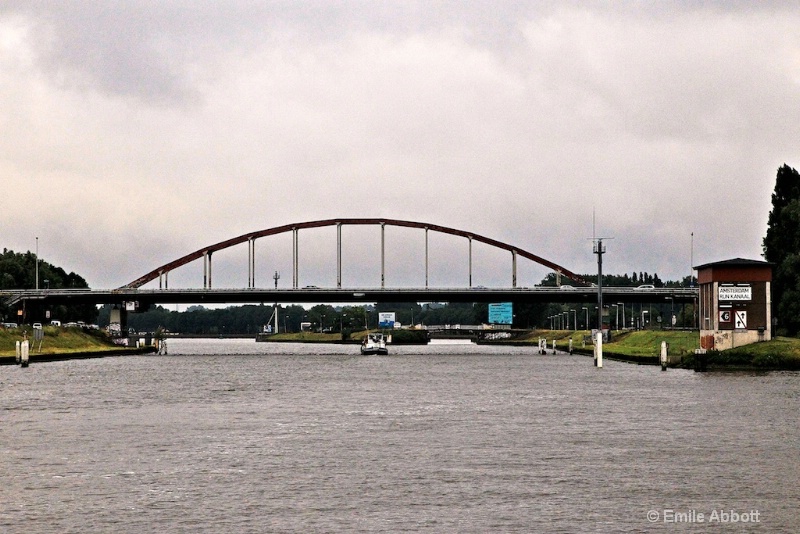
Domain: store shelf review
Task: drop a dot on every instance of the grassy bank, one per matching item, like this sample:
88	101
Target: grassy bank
644	346
644	343
779	353
56	341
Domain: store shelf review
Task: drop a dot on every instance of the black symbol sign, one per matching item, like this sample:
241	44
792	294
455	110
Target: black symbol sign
725	316
741	319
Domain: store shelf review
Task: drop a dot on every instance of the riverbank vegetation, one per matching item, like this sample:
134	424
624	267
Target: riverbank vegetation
18	271
57	340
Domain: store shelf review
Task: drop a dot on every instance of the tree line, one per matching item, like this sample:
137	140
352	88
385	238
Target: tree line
19	270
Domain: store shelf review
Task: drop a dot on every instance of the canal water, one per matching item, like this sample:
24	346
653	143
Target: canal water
238	436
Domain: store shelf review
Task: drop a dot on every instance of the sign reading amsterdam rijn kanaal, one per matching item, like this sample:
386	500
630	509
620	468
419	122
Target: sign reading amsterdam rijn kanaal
735	293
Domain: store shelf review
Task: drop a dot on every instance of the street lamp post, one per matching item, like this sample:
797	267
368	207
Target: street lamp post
37	263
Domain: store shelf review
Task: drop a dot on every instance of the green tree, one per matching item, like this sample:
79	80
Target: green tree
781	246
17	271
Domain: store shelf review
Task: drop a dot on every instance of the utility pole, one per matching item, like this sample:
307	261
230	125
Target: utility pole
277	277
599	249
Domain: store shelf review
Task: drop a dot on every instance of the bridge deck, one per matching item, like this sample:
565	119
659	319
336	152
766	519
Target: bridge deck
357	295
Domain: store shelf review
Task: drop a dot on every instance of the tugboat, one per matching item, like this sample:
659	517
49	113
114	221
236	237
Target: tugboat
374	343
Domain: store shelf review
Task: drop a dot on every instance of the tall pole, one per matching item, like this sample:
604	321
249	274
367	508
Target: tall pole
691	284
691	262
599	250
37	263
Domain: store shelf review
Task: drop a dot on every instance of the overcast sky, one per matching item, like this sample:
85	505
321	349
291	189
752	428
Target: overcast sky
136	132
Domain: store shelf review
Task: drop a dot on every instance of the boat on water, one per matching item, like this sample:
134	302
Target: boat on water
374	343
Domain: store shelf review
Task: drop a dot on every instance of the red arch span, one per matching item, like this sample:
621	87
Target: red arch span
152	275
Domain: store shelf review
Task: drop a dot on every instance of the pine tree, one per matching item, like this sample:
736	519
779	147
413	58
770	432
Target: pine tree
781	246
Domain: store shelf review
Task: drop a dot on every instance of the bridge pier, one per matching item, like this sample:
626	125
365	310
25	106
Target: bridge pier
119	315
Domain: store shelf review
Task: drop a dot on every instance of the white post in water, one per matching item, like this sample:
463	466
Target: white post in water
598	347
663	355
19	352
25	353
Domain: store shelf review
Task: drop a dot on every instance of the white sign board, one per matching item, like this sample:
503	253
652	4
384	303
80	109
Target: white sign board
735	293
386	319
740	320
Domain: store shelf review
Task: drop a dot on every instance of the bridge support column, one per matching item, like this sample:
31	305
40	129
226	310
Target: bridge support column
470	261
514	268
207	269
294	258
339	255
251	263
119	315
426	257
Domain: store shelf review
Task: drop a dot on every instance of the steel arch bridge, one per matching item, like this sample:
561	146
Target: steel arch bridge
161	273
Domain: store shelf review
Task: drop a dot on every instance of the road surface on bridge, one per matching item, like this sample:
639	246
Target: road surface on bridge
146	297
